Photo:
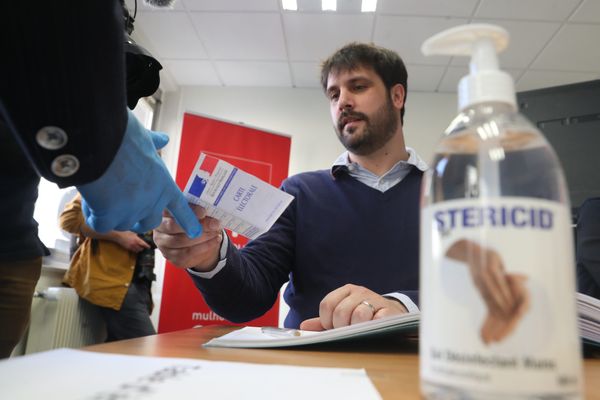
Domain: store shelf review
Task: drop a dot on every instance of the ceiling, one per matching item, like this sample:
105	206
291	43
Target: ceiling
257	43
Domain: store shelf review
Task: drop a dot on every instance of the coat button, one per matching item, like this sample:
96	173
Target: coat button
51	138
65	165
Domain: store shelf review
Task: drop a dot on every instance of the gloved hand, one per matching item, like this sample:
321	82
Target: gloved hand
136	188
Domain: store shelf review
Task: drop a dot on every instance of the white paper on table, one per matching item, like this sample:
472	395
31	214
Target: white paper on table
74	374
254	337
588	309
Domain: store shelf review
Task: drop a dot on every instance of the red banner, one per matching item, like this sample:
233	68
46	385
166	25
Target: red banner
262	154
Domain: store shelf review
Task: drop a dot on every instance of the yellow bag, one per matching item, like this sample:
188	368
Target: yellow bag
101	272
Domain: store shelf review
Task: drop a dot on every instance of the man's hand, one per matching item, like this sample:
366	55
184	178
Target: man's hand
136	188
351	304
201	253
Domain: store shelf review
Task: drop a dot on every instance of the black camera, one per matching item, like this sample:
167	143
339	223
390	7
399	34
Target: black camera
142	69
144	265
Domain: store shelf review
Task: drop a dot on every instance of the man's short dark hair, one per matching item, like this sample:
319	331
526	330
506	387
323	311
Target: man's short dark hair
386	63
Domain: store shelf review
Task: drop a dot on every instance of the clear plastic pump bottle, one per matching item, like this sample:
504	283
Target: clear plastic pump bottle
497	262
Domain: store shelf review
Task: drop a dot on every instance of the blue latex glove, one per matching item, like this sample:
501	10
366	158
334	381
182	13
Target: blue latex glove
136	188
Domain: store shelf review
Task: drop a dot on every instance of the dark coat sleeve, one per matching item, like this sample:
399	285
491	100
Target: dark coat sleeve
588	248
63	66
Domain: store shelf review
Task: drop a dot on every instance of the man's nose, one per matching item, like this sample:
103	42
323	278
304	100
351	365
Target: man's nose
346	102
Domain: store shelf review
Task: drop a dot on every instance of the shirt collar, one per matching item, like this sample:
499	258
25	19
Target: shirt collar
343	163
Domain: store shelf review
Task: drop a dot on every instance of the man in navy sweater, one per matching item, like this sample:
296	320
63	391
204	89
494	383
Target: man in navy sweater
348	243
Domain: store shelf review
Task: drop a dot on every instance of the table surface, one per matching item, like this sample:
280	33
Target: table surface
391	364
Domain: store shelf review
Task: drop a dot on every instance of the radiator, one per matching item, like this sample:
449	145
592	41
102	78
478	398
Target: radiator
60	319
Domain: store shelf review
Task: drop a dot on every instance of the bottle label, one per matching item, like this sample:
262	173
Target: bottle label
497	297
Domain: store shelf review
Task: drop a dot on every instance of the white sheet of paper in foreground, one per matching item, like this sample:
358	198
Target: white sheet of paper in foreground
74	374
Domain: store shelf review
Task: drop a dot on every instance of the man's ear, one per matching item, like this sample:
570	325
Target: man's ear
397	95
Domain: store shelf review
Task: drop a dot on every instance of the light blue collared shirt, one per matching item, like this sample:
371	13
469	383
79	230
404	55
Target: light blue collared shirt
385	181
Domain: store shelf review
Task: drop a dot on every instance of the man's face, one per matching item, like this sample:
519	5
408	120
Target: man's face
363	114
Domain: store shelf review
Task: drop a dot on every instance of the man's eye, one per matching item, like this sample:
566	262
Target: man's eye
333	96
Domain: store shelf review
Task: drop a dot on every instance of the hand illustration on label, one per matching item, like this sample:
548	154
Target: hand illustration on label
505	295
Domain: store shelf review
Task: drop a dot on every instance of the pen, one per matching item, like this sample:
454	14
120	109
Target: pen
275	331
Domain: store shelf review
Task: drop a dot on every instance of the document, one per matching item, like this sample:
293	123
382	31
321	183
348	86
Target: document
588	309
74	374
255	337
272	337
242	202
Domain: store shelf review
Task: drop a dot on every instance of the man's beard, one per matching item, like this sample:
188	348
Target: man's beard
378	130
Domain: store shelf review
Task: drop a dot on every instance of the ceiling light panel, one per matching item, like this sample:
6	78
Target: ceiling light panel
328	5
289	5
368	5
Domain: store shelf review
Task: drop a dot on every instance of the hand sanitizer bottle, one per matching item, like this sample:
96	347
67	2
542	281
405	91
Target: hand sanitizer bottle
497	264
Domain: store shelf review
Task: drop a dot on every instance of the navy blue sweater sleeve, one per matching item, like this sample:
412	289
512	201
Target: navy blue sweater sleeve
63	66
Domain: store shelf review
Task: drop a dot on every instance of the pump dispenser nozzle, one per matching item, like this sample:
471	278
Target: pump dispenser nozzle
482	42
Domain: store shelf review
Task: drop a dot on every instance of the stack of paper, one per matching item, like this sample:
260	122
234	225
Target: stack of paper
253	337
588	309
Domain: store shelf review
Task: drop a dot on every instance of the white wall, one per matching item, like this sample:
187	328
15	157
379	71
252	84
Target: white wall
302	114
